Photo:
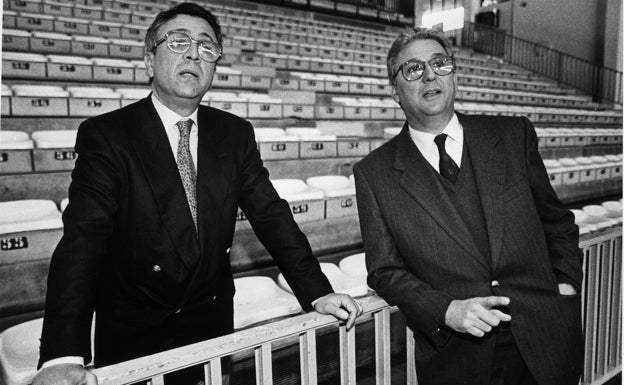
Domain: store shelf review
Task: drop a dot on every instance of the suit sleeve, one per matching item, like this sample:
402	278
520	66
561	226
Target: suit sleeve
424	307
76	262
275	227
562	235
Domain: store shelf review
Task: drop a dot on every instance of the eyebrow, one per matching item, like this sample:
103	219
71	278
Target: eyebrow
189	33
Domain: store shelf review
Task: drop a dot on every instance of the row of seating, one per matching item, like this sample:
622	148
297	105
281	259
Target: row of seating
22	221
29	100
306	74
585	177
258	300
52	150
141	14
593	218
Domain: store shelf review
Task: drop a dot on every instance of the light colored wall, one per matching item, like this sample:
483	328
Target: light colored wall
576	27
613	35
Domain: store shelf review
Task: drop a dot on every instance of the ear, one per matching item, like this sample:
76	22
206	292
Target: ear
394	94
148	59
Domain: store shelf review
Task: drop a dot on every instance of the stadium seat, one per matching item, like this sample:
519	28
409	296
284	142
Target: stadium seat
273	144
339	194
15	152
70	68
39	100
258	299
314	144
341	282
16	65
355	266
598	216
19	352
92	101
54	150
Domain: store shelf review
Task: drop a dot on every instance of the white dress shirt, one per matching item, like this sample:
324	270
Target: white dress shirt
169	119
453	145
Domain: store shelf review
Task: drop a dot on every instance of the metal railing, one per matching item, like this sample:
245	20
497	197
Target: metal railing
604	84
602	322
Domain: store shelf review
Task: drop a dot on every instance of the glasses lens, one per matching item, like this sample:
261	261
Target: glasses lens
209	50
413	70
178	42
442	65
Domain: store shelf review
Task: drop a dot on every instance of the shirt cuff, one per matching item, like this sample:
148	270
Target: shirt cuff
64	360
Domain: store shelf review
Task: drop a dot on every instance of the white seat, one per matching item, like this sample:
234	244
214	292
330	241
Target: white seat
310	134
93	92
29	215
340	282
391	132
39	90
15	140
598	216
19	352
80	60
64	204
133	93
295	190
614	209
29	57
55	139
113	62
259	299
269	134
332	185
355	266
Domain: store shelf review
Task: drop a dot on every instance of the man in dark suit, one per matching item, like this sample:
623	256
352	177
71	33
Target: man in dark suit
463	232
151	215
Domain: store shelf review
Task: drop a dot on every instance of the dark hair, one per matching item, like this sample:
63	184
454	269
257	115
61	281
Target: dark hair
409	35
191	9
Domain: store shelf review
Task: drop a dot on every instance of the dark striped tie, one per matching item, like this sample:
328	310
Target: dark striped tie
448	168
186	166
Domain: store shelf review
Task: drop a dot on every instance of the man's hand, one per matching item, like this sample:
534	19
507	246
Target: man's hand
340	306
65	374
566	289
475	315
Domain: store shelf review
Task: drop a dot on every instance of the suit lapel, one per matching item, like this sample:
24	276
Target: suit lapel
214	169
418	179
488	163
154	152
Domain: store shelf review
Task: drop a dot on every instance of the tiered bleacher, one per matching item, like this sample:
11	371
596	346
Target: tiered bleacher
318	96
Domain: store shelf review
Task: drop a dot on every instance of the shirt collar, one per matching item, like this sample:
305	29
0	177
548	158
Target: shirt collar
169	117
424	140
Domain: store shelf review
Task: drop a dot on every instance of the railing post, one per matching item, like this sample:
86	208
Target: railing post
347	356
264	366
212	372
307	357
382	347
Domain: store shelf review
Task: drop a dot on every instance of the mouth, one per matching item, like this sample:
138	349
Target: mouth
432	93
189	73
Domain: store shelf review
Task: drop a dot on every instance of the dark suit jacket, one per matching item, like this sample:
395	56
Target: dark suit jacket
420	255
130	250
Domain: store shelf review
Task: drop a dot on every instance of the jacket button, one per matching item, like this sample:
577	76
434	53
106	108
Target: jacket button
177	311
495	283
156	268
227	251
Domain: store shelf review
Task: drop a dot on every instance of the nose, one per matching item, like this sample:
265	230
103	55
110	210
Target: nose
192	53
429	75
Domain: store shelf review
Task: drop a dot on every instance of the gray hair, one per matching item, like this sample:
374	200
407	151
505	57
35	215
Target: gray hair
406	37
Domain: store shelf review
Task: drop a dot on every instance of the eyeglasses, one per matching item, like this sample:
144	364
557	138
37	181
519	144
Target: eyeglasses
180	42
414	69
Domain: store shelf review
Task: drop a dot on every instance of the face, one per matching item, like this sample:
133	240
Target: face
430	97
181	80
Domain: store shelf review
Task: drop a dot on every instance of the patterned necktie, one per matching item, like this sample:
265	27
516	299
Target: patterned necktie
186	166
448	168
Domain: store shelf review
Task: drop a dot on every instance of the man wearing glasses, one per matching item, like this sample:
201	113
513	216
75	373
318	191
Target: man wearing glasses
463	232
151	215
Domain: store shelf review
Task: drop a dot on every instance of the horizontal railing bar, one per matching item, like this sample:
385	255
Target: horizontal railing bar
144	368
609	234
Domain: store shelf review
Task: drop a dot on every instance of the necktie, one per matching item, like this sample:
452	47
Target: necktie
186	166
448	168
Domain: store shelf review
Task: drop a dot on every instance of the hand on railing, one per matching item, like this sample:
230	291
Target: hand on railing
65	374
476	316
340	306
